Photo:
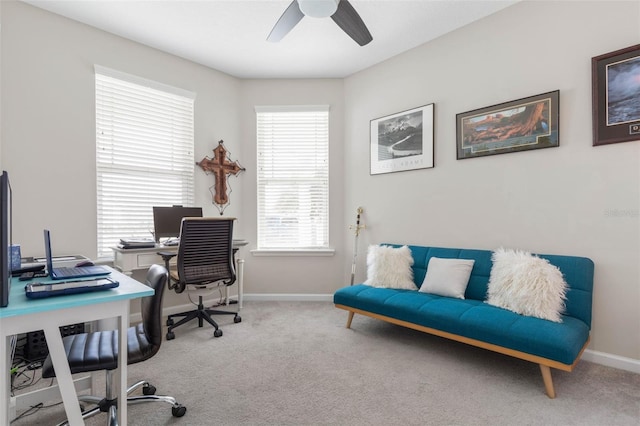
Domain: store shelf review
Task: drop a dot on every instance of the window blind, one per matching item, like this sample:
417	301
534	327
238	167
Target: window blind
293	177
144	154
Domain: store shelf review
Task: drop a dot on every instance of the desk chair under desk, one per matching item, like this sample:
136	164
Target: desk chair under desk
98	350
129	260
24	315
205	262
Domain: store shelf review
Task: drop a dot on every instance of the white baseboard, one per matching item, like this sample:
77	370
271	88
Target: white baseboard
285	297
277	297
610	360
602	358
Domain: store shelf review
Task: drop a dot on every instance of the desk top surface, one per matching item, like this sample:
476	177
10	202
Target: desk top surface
20	305
236	244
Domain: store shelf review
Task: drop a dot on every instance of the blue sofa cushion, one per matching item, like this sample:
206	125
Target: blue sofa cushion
474	319
577	272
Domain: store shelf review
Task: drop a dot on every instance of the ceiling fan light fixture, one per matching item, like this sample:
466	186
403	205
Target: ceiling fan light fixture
318	8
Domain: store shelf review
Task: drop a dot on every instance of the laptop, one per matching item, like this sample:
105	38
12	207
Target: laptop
65	273
41	290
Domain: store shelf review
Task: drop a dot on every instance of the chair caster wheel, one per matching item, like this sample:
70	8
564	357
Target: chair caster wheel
237	319
149	390
217	333
178	410
169	322
171	335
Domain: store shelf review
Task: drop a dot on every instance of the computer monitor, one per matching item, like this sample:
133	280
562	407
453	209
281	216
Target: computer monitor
5	239
167	220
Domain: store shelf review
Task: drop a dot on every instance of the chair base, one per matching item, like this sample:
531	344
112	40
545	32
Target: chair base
109	404
202	314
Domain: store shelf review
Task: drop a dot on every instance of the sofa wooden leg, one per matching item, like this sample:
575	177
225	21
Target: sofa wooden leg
548	381
351	313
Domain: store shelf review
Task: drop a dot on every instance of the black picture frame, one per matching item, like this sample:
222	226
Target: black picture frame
519	125
615	80
402	141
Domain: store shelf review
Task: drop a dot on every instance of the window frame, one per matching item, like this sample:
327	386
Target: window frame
115	160
269	250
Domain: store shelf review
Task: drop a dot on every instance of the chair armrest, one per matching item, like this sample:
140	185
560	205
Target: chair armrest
177	286
167	255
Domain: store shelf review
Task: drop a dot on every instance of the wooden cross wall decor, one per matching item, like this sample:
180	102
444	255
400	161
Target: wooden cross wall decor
221	167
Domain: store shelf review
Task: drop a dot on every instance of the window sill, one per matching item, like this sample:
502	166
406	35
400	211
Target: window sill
293	252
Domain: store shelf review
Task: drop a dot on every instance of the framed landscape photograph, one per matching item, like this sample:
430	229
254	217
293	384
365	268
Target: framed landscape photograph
402	141
520	125
615	79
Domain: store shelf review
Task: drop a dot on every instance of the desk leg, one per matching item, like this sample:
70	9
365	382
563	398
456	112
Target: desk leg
121	372
240	282
5	379
63	374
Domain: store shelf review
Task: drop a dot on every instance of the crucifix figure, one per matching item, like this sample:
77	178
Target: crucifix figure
221	167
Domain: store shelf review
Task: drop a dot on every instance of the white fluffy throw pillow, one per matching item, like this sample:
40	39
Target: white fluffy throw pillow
526	284
390	267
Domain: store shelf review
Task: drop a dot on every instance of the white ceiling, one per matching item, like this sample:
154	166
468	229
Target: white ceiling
230	35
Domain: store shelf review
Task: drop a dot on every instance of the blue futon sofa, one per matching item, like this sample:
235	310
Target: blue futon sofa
472	321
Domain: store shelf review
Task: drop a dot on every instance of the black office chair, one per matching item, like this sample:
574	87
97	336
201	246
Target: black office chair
99	351
205	263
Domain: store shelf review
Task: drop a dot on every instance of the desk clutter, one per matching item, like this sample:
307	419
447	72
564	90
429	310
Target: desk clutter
166	228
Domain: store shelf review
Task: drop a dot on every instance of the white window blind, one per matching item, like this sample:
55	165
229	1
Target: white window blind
144	154
293	177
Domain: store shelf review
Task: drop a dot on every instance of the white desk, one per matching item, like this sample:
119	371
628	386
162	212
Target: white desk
129	260
24	315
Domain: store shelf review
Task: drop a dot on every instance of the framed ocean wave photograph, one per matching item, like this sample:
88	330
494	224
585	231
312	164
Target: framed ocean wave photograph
519	125
615	80
402	141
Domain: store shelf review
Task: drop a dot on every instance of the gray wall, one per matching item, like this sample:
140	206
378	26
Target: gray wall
300	274
556	200
552	201
48	142
48	148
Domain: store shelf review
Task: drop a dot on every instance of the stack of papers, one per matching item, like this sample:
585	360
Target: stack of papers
136	243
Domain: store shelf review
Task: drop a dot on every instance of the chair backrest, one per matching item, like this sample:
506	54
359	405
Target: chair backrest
205	254
151	307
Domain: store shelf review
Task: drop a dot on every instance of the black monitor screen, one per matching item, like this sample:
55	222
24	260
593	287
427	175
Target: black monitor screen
5	239
167	220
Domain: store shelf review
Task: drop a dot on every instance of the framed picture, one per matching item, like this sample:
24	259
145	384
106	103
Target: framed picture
520	125
402	141
615	79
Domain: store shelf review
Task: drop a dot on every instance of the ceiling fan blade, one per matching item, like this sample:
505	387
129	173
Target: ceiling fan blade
348	19
287	21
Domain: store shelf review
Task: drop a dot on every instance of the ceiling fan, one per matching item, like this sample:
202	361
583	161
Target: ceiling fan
340	11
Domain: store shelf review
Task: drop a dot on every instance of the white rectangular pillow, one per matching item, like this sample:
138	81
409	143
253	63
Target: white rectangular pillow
447	277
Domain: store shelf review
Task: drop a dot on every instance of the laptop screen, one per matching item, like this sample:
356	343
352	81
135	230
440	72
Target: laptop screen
47	249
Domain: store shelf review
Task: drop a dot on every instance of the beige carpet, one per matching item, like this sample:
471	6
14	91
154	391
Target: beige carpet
292	363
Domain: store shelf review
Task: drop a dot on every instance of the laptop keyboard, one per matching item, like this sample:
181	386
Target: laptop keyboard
71	272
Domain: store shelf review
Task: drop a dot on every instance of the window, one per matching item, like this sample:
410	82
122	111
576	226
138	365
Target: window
144	154
293	177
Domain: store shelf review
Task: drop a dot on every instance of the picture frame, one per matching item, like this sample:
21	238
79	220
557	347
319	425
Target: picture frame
615	78
402	141
519	125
